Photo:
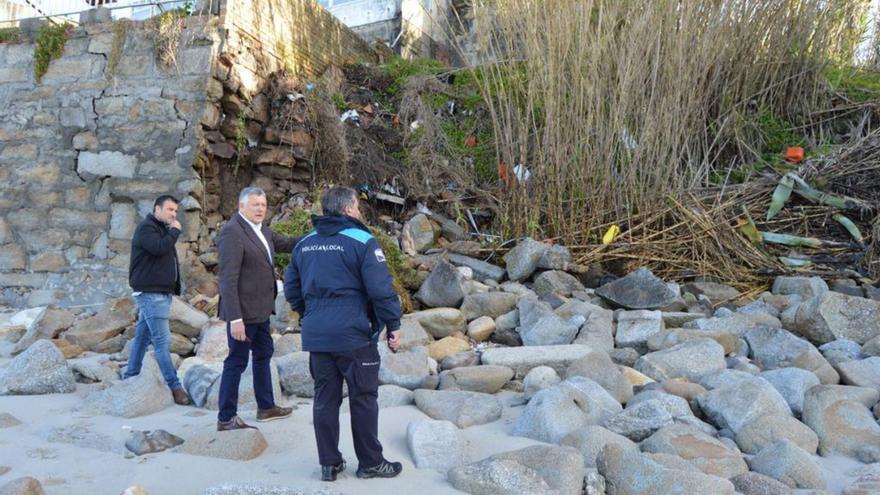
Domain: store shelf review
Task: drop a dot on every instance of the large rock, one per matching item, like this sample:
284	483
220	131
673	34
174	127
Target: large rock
481	269
523	259
198	381
772	348
841	418
443	288
435	444
421	231
638	422
486	379
708	454
861	373
597	366
110	321
556	257
629	472
692	359
840	351
556	282
404	369
150	442
185	319
805	287
481	328
412	335
715	292
460	359
213	342
553	413
675	336
447	346
788	463
634	328
462	408
236	445
792	384
41	369
591	439
439	322
759	484
538	379
491	304
22	486
764	431
539	325
523	359
51	322
180	345
94	370
867	483
638	290
539	469
733	406
294	374
393	396
676	406
137	396
833	315
598	330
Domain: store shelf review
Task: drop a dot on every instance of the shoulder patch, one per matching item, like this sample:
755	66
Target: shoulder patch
358	235
380	256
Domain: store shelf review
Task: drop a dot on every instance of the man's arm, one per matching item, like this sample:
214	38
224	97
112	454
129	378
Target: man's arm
155	241
293	286
379	285
231	255
284	244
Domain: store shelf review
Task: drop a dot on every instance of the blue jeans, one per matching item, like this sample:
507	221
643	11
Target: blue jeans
152	327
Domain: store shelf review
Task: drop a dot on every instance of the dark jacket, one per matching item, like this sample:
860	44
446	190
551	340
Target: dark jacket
339	282
247	272
153	266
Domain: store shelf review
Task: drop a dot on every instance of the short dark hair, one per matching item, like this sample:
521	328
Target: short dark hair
161	200
336	199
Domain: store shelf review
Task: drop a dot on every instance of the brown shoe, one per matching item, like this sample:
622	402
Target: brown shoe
274	413
181	397
235	423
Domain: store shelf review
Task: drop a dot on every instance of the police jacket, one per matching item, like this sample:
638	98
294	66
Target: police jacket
339	282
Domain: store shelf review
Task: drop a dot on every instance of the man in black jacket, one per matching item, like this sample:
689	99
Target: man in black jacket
154	275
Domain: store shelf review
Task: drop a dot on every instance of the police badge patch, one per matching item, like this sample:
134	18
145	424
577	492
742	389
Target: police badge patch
380	256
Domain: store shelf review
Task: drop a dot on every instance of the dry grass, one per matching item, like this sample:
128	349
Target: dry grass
616	105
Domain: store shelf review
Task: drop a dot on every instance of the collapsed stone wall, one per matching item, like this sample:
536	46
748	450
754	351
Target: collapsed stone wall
85	150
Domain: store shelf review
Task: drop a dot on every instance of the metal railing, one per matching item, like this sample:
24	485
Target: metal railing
14	11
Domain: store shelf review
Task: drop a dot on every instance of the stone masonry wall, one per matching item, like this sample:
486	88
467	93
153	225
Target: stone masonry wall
85	151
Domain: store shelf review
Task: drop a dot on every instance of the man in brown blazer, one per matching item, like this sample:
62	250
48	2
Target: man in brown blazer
247	299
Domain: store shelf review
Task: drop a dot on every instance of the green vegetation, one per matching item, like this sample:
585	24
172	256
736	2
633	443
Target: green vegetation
167	28
119	30
240	139
49	46
401	70
859	85
777	134
10	35
401	273
339	101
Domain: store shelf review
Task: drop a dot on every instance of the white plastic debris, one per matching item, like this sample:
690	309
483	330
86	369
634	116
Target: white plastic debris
415	125
295	96
521	173
350	115
424	209
629	142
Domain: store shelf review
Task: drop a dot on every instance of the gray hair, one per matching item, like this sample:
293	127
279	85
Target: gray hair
249	191
336	199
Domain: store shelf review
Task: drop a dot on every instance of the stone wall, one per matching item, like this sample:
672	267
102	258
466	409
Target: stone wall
85	151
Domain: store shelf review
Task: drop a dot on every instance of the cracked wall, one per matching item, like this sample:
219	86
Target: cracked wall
83	154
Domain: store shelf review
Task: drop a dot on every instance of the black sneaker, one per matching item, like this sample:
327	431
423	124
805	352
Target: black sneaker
328	473
385	469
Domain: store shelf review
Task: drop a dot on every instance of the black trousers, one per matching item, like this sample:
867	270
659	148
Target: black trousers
259	343
360	370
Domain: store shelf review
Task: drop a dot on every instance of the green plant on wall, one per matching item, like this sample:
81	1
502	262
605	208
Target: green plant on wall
49	46
167	28
300	223
117	46
10	35
240	140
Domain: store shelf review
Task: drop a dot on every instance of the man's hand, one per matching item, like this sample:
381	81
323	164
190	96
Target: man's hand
236	328
175	225
394	340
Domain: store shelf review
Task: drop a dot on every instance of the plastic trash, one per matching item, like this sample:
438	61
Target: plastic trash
295	96
414	126
351	115
521	173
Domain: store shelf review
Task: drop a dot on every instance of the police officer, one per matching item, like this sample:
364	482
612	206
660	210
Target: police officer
339	282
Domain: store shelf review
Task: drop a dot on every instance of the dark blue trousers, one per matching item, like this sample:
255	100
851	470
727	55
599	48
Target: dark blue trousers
360	370
259	343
